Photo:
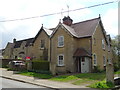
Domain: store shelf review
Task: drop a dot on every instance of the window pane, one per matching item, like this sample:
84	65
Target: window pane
94	59
60	60
104	60
42	43
60	41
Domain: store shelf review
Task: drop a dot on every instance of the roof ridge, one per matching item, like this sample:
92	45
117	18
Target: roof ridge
25	39
86	20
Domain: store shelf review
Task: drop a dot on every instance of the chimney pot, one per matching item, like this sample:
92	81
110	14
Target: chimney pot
14	40
67	20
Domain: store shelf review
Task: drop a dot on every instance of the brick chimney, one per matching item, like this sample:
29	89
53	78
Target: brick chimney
67	20
14	40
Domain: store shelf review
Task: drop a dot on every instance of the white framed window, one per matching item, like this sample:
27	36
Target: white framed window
60	41
60	60
104	60
42	44
109	61
103	44
94	59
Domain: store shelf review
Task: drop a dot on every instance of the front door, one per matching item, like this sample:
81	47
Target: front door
85	65
78	65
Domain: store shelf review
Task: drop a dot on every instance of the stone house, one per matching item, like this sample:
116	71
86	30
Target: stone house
70	47
79	47
18	49
8	51
41	44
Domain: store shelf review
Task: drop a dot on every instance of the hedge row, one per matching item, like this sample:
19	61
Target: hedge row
40	65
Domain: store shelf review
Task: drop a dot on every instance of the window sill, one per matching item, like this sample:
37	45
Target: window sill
60	46
42	48
94	64
104	49
61	66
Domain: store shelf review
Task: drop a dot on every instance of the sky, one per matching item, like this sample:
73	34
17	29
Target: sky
23	29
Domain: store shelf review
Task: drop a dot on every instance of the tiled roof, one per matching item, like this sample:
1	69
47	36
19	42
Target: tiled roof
84	28
28	42
81	52
81	29
48	31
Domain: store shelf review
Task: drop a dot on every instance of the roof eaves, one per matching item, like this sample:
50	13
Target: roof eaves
86	36
96	27
103	30
48	31
55	29
70	30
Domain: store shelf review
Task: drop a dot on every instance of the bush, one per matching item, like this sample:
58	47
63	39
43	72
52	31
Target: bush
97	69
40	66
116	67
102	84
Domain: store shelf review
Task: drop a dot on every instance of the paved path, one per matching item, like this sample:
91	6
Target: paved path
7	83
35	81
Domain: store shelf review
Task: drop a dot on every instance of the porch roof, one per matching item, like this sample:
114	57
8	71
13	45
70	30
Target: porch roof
81	52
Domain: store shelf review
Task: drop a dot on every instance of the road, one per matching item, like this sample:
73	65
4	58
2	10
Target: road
7	83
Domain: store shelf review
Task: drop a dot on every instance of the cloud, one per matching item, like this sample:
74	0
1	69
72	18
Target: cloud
15	9
110	20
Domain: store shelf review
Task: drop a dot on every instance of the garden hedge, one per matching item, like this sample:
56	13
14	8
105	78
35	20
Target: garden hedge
38	65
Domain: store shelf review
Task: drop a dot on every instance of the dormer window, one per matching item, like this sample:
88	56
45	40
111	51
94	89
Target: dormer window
60	41
103	44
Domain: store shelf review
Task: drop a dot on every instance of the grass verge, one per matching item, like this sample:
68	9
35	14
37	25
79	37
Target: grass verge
82	77
37	75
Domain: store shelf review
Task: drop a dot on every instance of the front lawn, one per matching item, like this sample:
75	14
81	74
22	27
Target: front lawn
78	79
38	75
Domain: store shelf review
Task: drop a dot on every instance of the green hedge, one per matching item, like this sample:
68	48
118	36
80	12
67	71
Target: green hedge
38	65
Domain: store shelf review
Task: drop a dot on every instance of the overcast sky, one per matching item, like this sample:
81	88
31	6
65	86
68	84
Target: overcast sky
23	29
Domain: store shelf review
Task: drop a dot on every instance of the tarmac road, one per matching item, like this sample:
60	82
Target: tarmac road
7	83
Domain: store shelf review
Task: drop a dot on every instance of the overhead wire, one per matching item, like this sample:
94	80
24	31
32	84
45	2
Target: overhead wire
59	12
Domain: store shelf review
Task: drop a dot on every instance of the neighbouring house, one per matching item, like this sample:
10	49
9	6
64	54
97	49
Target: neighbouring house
8	51
23	48
41	44
70	47
1	53
18	49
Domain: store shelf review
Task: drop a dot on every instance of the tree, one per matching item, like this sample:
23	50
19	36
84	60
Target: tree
116	50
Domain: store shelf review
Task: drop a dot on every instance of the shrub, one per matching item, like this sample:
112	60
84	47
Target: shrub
40	66
97	69
102	84
116	67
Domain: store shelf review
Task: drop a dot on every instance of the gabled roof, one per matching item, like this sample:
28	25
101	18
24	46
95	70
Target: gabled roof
81	29
81	52
9	45
28	42
47	31
85	28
